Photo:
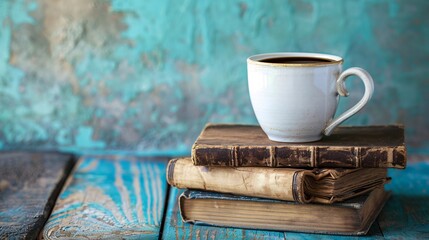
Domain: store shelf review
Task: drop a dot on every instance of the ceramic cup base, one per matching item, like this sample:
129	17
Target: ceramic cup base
295	139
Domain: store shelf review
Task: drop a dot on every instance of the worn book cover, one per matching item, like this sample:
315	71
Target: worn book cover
300	185
348	147
353	217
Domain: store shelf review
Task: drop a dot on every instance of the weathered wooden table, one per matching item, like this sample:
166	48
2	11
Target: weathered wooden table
127	198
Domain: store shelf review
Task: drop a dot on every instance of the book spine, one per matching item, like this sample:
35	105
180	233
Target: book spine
282	184
300	156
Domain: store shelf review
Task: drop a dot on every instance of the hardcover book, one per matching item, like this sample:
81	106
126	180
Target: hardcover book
352	217
300	185
348	147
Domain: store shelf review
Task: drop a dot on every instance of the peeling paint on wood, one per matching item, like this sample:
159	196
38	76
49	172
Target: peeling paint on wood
110	198
29	185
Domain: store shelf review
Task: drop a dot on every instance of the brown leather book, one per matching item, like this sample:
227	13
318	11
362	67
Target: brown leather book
352	217
299	185
347	147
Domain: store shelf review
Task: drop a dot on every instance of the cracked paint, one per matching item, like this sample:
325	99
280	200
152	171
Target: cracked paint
145	76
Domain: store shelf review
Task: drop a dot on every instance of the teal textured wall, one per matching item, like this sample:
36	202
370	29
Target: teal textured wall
146	76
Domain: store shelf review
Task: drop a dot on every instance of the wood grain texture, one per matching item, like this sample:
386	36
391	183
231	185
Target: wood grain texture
406	215
110	198
348	147
29	185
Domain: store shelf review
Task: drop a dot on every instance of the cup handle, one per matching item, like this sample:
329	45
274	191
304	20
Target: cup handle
341	89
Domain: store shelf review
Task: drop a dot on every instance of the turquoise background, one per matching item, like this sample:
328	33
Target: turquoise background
145	76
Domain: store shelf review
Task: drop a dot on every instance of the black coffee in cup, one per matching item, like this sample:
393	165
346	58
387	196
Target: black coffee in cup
295	60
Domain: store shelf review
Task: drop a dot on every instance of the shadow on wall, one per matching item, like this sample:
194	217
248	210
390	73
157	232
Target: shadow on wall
146	76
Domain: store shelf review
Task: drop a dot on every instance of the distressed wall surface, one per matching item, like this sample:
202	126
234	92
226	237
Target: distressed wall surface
146	76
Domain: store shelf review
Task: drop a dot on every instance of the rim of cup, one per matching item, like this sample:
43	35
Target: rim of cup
327	59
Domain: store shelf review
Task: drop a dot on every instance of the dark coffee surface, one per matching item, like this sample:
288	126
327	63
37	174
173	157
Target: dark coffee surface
295	60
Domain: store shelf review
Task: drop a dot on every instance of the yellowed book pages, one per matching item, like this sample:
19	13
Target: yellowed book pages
319	185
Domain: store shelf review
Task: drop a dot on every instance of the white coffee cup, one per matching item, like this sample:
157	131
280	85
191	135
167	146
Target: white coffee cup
295	95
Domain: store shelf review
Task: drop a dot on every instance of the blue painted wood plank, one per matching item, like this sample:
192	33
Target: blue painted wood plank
110	198
174	228
406	214
29	185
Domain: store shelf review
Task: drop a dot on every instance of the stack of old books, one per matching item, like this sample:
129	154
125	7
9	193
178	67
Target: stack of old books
237	177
